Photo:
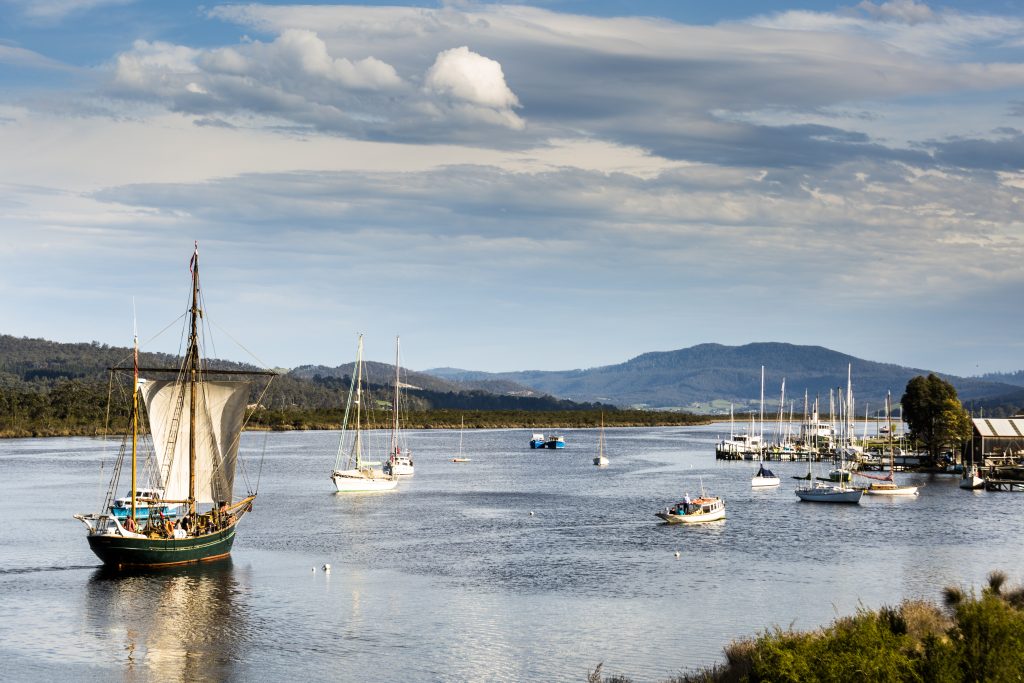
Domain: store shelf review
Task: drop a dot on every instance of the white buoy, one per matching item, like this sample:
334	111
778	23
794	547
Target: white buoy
327	568
312	569
677	553
531	513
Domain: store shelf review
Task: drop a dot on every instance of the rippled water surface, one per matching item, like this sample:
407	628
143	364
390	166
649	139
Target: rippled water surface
450	578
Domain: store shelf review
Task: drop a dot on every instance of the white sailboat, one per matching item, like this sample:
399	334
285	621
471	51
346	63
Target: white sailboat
358	475
601	460
887	486
972	479
399	463
764	478
462	428
815	491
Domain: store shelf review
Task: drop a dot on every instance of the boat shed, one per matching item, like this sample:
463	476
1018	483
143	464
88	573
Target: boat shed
998	440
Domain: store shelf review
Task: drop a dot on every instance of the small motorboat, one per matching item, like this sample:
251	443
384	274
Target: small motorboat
460	459
703	509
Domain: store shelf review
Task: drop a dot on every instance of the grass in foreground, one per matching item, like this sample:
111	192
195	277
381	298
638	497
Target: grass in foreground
970	638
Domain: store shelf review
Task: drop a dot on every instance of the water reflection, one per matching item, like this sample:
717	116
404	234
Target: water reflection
175	624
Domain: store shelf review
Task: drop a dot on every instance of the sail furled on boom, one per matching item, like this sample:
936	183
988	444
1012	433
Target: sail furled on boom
220	412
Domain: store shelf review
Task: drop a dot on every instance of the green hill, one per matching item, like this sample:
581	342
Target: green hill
52	388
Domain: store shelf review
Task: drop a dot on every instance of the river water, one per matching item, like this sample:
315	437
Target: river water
451	578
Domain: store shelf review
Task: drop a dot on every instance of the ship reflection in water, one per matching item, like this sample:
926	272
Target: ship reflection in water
180	623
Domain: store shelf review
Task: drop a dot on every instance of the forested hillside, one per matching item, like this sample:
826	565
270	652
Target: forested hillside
54	388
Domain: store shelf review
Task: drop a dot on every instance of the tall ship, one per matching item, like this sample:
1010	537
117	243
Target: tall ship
194	427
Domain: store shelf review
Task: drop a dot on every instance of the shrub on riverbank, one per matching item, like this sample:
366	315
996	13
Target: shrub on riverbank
971	638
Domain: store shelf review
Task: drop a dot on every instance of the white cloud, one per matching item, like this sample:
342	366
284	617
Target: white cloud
156	68
847	155
947	35
300	52
51	10
294	77
474	87
465	75
21	57
907	11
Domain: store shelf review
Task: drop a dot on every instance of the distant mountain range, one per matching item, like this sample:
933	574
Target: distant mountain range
384	373
704	378
708	377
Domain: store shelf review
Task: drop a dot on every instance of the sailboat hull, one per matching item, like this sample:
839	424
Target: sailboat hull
120	551
356	481
829	494
972	483
890	490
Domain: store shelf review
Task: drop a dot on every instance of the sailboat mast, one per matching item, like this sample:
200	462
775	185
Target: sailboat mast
849	403
135	411
358	445
394	407
782	411
193	370
892	456
760	444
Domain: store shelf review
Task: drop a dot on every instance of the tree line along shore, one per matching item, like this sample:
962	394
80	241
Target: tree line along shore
95	423
936	418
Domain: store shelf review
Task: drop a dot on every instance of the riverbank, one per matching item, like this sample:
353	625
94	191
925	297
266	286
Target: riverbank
969	638
308	420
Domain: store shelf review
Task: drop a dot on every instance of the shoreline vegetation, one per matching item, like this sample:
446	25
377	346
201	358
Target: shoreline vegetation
970	637
91	422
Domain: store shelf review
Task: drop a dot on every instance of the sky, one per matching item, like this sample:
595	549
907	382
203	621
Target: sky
545	185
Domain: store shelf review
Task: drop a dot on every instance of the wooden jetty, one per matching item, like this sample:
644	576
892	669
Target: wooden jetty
1004	485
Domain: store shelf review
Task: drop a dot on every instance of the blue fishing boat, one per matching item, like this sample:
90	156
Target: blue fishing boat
537	441
554	442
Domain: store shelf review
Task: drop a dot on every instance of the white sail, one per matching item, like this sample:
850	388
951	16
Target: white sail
220	411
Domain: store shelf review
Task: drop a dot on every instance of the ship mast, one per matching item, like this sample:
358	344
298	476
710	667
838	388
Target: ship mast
135	411
358	444
193	369
395	450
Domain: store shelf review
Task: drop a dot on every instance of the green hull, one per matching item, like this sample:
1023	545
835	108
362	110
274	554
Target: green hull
117	551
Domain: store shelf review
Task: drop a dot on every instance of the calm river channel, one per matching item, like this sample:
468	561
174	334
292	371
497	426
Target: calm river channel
451	578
